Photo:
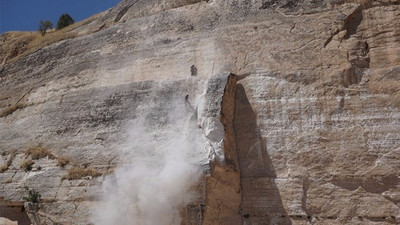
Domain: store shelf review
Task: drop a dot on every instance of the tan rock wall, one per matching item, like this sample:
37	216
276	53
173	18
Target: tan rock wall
223	189
311	127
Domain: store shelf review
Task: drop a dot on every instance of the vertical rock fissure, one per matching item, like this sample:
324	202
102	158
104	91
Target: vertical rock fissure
223	189
227	119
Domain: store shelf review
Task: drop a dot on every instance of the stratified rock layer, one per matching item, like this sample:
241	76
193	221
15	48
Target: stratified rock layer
311	119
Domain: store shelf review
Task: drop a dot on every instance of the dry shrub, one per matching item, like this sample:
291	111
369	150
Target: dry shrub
27	165
3	168
363	3
9	162
9	110
384	87
8	181
76	173
63	161
390	88
12	153
38	153
395	101
110	171
6	166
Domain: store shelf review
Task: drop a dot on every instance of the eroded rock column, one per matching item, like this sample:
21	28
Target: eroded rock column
223	185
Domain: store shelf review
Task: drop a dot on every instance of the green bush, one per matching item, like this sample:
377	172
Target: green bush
64	20
33	196
44	25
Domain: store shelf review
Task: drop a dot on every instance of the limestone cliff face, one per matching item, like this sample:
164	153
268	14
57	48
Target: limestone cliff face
307	94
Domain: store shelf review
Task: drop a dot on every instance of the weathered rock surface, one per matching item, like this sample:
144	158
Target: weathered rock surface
5	221
311	120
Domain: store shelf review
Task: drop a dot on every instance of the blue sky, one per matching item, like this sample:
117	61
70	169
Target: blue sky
24	15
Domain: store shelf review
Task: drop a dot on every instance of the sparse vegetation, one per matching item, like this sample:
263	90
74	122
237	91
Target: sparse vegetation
63	161
27	165
38	153
12	153
9	110
6	166
8	181
110	171
76	173
20	44
3	168
64	21
33	196
44	25
17	44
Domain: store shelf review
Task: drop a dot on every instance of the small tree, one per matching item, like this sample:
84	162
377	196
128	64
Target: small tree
33	196
44	25
64	20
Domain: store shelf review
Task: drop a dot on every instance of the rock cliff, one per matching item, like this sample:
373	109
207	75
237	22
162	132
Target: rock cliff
298	108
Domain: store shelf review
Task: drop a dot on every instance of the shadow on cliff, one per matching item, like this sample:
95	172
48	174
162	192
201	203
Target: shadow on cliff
14	213
261	200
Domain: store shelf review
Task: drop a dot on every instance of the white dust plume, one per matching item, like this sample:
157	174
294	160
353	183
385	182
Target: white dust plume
157	170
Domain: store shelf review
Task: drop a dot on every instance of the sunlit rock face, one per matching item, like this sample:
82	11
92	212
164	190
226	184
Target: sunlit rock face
296	104
6	221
